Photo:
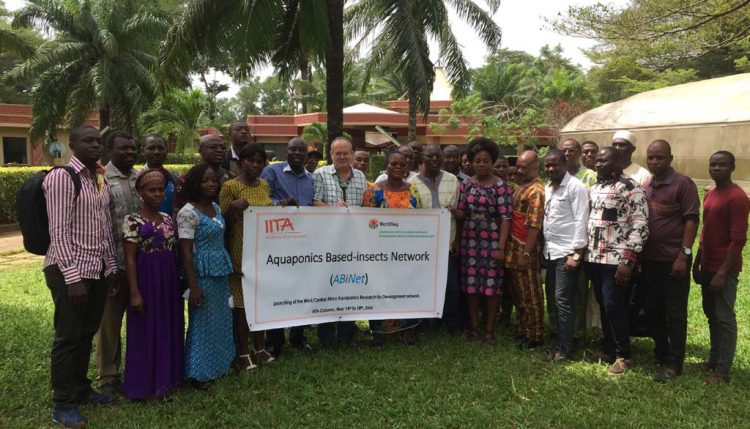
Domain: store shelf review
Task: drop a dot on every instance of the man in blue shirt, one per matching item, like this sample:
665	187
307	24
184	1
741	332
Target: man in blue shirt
289	181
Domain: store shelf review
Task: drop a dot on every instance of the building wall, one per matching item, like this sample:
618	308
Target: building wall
691	145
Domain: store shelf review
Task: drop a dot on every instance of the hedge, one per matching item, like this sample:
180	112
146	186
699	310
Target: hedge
11	178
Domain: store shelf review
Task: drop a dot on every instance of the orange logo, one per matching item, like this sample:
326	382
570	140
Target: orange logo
280	225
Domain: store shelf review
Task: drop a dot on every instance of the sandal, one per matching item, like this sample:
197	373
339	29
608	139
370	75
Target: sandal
262	356
474	336
250	365
489	339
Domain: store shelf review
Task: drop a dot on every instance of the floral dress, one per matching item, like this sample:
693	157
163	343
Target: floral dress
377	196
154	350
485	206
209	348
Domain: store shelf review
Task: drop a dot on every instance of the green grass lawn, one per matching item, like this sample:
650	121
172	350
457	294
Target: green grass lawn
443	382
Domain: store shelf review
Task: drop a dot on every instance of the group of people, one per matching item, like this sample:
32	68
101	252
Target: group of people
140	241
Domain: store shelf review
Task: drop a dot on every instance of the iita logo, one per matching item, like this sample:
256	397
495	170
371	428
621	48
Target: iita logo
280	225
373	223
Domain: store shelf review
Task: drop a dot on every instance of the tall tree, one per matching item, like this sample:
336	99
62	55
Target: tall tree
100	58
401	30
284	32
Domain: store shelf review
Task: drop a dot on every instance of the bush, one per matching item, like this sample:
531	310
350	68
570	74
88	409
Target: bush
377	165
11	178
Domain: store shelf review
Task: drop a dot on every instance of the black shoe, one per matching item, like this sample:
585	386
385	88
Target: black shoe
69	418
529	345
99	399
113	388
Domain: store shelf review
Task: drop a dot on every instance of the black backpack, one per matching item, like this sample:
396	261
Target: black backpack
31	210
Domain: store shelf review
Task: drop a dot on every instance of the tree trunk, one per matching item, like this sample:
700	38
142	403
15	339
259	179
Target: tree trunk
412	117
335	72
304	71
104	118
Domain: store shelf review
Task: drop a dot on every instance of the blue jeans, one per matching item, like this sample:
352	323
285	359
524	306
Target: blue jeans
613	304
722	322
564	285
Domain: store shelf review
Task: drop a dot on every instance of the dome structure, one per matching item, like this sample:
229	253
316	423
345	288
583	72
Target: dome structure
697	118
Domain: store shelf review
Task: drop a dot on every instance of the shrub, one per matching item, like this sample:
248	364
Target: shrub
377	165
11	178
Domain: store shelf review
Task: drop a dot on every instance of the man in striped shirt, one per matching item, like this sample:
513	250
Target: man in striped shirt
79	268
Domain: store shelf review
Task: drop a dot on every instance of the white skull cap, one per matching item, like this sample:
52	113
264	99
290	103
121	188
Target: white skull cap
625	135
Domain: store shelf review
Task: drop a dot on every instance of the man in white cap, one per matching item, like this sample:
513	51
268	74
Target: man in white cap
624	142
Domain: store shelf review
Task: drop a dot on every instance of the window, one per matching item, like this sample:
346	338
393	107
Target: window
14	150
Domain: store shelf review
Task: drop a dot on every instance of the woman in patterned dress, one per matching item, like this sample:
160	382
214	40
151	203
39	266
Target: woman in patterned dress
486	203
154	350
392	193
209	345
248	189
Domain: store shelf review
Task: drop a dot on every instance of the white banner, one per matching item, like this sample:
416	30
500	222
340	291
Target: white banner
312	265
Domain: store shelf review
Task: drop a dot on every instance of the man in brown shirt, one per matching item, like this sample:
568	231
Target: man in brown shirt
674	207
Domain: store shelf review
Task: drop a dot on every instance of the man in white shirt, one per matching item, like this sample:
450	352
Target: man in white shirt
566	214
624	142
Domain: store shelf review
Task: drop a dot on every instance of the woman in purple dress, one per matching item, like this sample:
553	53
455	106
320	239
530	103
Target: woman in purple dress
154	353
486	206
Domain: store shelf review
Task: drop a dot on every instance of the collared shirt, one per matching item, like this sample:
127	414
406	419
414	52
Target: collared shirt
670	204
618	221
587	176
440	193
566	216
528	212
285	183
123	200
80	228
637	173
329	188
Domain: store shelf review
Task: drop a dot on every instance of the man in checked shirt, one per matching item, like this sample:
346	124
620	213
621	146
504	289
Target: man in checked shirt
79	268
617	230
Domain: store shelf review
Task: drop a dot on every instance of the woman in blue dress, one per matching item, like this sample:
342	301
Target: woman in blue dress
209	348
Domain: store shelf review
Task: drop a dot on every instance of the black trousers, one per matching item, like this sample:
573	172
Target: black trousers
666	311
74	331
275	337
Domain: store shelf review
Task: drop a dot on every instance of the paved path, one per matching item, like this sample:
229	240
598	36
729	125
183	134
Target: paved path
12	253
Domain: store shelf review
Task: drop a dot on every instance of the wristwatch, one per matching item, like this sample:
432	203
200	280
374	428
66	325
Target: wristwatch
686	250
576	257
527	254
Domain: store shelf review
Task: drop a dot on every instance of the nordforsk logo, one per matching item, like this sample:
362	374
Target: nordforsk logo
373	223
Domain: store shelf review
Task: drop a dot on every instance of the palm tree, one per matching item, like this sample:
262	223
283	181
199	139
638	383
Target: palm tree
290	34
100	58
180	113
401	30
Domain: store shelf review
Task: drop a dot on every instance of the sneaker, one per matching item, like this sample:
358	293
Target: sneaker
665	375
68	418
560	357
99	399
619	367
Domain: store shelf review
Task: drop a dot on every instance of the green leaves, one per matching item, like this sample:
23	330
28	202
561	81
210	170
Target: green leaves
100	58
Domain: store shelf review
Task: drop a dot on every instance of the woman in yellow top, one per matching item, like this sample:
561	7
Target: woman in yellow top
248	189
394	193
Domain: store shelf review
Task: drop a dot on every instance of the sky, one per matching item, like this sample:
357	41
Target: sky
521	21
